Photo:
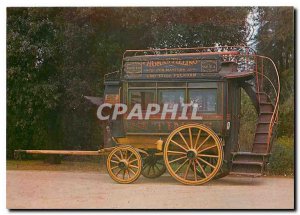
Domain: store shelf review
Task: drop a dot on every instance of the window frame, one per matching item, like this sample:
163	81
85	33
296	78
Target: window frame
187	87
129	102
216	105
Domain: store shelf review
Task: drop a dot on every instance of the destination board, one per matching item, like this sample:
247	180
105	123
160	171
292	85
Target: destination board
170	69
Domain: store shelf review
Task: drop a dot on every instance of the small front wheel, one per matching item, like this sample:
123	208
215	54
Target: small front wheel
124	164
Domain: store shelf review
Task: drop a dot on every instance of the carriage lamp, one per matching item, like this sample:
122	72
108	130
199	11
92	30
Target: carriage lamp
228	125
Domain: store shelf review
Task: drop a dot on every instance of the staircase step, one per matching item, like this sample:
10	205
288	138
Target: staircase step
266	108
249	153
260	148
262	127
266	103
261	137
266	112
265	117
254	175
248	163
261	131
260	142
263	97
246	168
248	157
264	122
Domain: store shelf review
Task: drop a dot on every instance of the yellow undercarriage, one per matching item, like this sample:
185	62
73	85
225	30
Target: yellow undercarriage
149	142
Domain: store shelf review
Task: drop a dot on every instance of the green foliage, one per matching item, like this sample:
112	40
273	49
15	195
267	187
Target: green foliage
247	123
275	39
287	118
32	57
282	157
55	56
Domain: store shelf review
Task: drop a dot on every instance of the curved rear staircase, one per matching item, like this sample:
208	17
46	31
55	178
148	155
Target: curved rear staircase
263	91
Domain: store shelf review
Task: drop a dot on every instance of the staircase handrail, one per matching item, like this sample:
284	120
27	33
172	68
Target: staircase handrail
274	117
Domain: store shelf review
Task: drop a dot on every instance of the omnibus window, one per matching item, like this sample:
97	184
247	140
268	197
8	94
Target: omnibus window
206	99
171	97
143	97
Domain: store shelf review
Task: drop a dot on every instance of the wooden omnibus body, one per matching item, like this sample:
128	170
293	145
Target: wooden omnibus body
219	108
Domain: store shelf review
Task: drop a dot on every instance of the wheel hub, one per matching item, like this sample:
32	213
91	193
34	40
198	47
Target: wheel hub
191	154
123	164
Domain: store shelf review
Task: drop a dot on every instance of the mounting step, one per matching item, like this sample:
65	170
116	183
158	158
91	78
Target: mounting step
248	163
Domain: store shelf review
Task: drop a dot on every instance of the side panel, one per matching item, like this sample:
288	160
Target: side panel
149	131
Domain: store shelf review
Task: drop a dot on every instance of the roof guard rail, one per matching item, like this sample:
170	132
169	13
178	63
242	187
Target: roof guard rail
246	50
241	49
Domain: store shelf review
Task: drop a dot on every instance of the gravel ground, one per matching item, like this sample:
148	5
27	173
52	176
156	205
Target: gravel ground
66	190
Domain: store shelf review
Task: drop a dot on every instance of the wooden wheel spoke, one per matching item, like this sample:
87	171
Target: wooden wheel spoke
195	171
130	156
145	166
157	167
113	161
131	171
183	139
177	152
123	174
118	172
117	157
132	161
134	166
181	166
177	159
209	164
153	170
128	173
114	167
207	148
204	173
204	141
191	137
187	169
197	138
179	145
206	155
122	157
149	169
160	163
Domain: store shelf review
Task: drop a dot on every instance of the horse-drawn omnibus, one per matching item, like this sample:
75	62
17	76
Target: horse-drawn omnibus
179	110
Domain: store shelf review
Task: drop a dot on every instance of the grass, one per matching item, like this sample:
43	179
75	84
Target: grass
282	157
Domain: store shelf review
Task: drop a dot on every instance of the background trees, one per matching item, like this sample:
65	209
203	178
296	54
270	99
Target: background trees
55	56
275	38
